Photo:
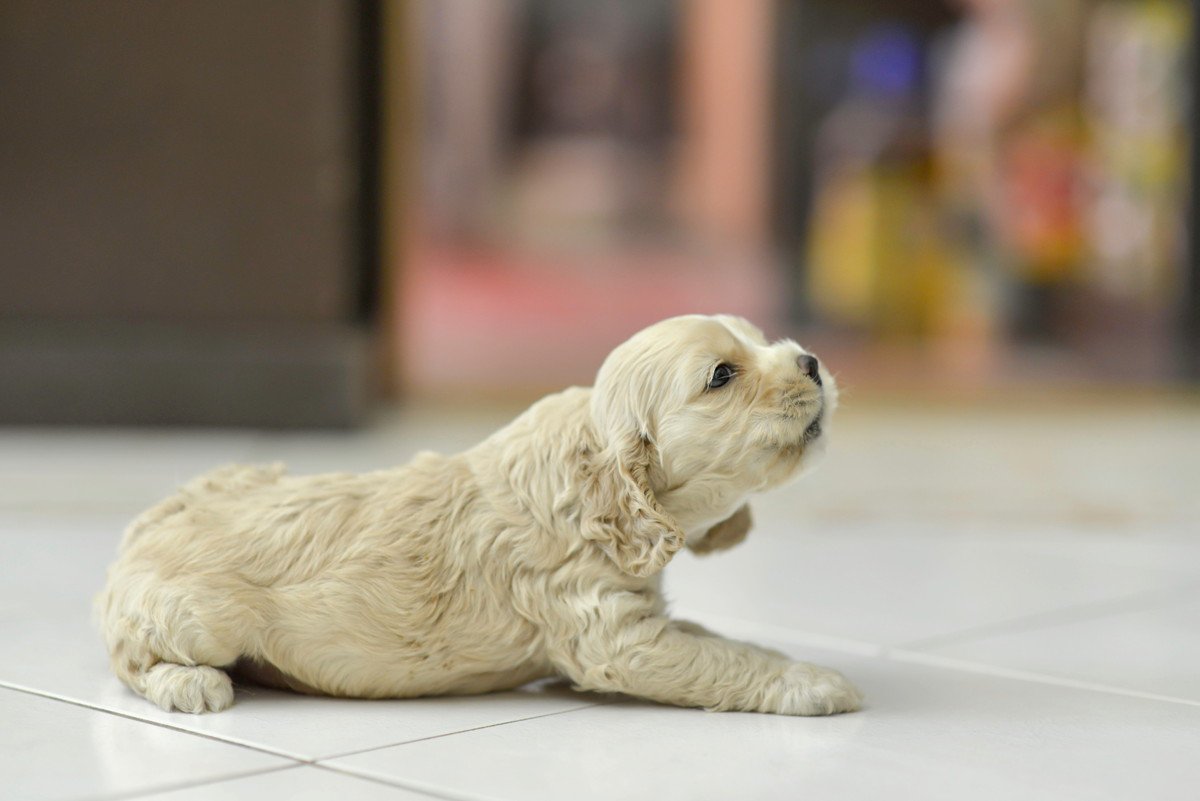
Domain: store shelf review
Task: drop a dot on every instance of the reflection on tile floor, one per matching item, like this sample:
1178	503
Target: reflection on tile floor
1018	593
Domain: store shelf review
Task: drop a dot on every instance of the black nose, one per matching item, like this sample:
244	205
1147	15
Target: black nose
810	366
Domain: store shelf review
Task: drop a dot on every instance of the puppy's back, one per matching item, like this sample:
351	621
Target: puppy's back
230	478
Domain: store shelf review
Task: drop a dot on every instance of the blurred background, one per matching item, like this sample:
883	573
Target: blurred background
292	212
338	232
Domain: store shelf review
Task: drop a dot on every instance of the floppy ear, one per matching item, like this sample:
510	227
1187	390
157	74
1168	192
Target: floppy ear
726	534
620	513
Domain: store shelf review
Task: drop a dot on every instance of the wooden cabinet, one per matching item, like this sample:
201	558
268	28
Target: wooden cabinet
186	211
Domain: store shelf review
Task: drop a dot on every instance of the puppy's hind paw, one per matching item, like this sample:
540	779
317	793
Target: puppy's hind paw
811	690
188	688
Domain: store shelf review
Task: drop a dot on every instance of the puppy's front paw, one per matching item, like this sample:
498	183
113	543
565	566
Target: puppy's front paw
806	689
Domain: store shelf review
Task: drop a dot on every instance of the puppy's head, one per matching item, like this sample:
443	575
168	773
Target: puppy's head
697	412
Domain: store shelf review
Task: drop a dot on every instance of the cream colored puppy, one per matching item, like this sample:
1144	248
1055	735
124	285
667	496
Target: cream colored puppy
535	553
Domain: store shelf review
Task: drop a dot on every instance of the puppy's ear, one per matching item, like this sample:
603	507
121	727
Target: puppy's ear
726	534
620	513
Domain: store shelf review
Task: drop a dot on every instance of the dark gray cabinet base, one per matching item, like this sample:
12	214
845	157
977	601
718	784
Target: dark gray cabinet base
259	375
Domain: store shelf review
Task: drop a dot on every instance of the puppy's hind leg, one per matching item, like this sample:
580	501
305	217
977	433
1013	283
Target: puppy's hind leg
166	657
187	688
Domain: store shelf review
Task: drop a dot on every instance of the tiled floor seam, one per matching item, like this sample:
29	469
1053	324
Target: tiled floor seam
981	668
106	710
170	788
423	789
800	638
1094	610
322	760
750	629
299	760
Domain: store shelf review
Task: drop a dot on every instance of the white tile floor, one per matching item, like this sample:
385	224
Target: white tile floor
1017	592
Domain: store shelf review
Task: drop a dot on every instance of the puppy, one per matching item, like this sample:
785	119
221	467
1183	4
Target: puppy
536	553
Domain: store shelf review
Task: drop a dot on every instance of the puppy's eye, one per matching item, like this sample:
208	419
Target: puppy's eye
720	376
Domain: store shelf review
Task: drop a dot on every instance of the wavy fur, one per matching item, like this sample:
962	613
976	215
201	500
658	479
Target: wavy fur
534	554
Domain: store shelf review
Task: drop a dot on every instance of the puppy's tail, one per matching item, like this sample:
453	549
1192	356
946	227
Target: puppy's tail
230	478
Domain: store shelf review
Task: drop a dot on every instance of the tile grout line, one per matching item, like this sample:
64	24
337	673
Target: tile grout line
750	628
1033	677
1093	610
171	788
322	760
298	760
97	708
418	787
905	655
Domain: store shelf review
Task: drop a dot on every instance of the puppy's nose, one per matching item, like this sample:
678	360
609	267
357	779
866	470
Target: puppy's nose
810	367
